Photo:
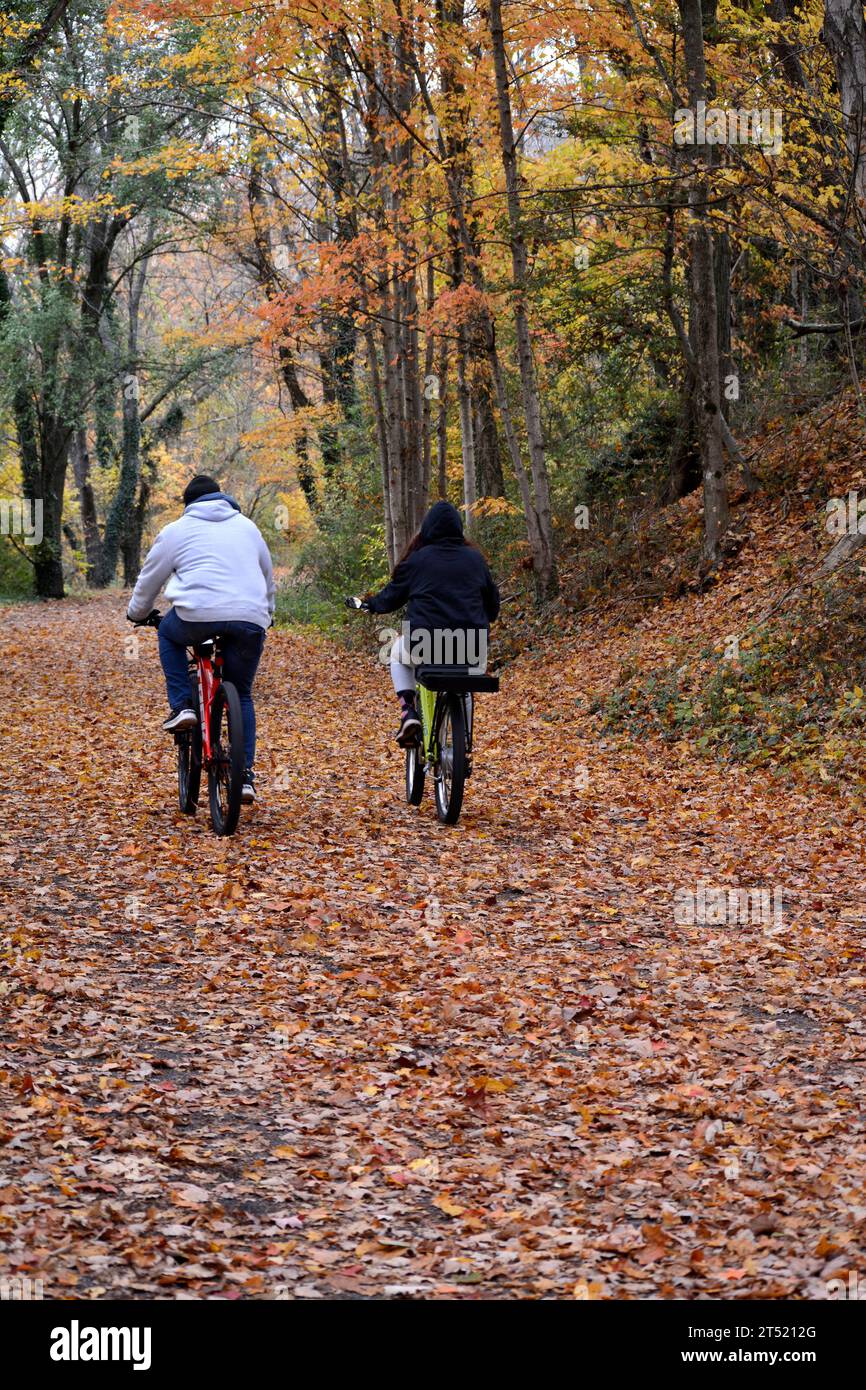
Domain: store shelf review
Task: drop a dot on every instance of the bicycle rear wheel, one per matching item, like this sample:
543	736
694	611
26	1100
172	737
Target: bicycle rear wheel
415	771
225	775
451	765
188	769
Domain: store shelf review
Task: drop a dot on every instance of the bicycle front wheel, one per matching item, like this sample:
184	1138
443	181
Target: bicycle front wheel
451	766
225	775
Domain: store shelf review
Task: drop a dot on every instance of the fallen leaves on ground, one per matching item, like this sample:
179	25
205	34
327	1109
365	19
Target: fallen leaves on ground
352	1053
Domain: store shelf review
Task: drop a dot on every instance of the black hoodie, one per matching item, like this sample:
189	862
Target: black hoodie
445	582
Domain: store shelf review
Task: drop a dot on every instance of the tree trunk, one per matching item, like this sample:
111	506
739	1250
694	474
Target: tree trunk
722	276
787	56
456	164
86	506
442	426
546	578
684	458
413	465
337	357
394	403
48	555
405	478
382	439
134	530
844	35
25	429
432	386
123	503
467	441
704	310
43	445
300	401
488	461
269	282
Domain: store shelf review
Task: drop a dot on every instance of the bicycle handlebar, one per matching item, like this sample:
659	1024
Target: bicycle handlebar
153	619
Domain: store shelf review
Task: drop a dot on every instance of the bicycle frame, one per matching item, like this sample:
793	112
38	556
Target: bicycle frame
208	674
429	722
433	703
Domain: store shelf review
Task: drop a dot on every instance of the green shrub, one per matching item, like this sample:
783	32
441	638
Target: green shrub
345	556
16	573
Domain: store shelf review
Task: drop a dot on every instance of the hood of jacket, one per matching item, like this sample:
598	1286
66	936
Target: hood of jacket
216	506
442	523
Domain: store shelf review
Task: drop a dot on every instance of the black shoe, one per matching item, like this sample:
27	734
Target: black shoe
180	719
409	731
248	790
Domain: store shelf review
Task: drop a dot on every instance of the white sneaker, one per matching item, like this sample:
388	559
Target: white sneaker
180	719
248	790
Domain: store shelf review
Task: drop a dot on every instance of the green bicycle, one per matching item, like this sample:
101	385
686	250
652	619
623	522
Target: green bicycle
447	705
446	701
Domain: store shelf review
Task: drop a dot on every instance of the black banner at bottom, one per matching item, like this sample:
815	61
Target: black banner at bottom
83	1342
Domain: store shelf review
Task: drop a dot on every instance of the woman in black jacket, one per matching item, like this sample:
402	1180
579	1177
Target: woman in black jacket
452	600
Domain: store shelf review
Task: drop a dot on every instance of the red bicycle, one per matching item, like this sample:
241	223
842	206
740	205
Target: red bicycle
216	744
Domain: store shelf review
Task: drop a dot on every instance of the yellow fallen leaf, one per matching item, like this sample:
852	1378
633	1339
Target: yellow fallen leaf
444	1203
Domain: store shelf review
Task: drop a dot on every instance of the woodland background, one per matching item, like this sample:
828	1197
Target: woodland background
351	258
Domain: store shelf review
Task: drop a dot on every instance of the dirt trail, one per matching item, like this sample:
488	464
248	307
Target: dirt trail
351	1052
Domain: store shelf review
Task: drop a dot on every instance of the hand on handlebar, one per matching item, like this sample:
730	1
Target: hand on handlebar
153	619
359	604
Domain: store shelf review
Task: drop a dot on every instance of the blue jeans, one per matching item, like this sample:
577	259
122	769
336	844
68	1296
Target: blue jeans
242	649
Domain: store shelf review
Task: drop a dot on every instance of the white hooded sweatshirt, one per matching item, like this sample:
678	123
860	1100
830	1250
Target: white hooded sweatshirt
216	564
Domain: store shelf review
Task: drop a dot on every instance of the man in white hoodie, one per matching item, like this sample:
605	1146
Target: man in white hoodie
216	570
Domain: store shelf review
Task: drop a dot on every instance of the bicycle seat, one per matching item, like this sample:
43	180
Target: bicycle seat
208	646
460	679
